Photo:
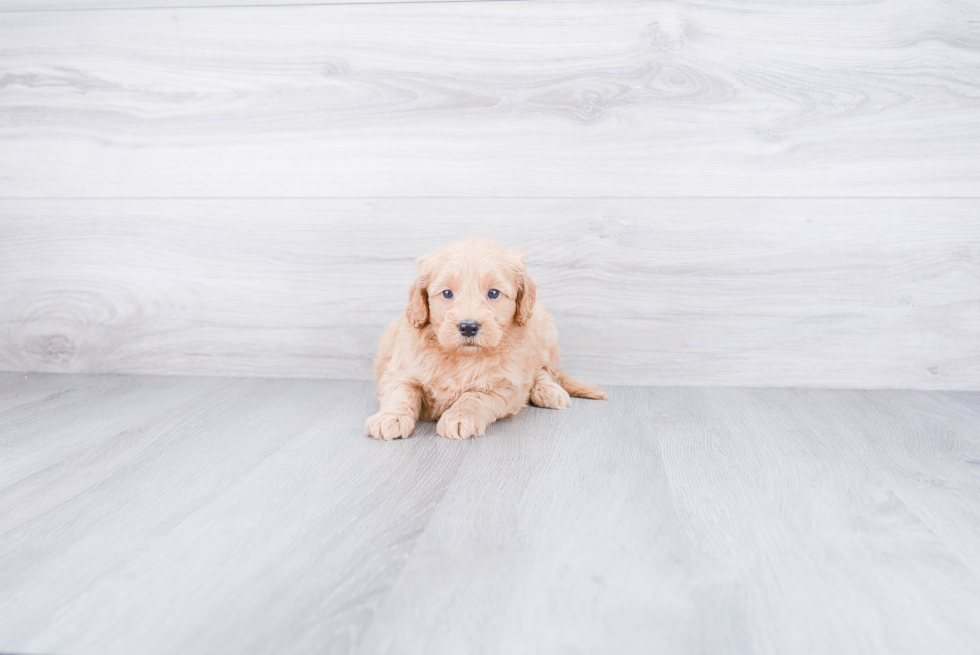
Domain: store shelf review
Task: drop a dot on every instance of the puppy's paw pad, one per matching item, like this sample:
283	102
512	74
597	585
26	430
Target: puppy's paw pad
458	425
550	396
386	426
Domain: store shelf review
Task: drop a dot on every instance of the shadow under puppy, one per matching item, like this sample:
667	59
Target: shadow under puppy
474	345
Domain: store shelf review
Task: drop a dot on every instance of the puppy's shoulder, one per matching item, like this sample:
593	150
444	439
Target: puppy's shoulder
541	320
404	335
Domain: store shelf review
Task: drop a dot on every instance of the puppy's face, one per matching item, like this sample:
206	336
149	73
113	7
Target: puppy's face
471	293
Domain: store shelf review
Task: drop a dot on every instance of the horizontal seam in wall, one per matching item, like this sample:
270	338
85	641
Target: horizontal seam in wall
202	198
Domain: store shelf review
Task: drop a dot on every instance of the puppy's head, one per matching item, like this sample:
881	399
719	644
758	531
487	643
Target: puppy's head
471	294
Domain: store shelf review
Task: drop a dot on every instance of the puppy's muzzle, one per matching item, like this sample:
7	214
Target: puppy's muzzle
469	328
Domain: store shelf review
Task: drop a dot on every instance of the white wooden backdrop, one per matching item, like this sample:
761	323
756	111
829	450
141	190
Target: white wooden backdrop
722	192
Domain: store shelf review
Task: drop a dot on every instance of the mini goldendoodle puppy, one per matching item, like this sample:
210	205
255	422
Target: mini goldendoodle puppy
473	345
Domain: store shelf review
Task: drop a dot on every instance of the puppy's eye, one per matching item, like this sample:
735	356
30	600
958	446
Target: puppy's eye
447	294
493	294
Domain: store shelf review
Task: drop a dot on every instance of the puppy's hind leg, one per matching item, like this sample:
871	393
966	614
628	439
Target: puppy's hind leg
545	392
579	389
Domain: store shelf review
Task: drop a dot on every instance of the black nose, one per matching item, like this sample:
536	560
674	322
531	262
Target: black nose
469	328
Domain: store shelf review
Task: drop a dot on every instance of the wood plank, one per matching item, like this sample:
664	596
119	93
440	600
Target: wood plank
205	498
18	389
932	445
802	531
685	521
561	537
762	292
478	99
142	5
256	517
94	410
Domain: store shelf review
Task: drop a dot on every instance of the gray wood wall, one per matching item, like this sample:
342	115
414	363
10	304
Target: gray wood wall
725	192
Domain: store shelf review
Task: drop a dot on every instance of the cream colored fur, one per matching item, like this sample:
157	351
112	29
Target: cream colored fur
427	370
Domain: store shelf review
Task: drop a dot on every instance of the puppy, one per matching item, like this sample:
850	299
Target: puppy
474	345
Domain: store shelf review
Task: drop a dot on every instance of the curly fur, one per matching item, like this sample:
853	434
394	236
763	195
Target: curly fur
426	370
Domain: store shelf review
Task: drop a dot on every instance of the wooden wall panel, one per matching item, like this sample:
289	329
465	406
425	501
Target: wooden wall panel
761	292
494	99
763	193
138	5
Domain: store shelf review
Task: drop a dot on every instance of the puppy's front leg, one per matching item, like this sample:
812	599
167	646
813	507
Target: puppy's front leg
401	402
470	415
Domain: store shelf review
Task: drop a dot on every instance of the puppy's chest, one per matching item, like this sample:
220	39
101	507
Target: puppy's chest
447	380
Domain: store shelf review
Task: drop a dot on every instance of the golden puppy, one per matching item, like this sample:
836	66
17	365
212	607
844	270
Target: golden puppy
473	345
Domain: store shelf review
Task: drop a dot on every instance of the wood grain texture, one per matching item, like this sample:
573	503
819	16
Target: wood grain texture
501	99
763	292
141	5
181	488
700	521
943	465
255	517
100	406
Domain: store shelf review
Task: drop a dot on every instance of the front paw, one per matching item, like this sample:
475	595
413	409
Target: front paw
387	426
456	424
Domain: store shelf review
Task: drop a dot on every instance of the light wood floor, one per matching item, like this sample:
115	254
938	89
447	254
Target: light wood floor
222	515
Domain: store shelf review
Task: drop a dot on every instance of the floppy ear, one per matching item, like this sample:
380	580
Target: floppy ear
417	309
527	291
